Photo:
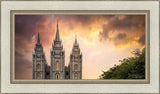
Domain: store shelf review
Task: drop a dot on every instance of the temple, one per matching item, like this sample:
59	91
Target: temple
57	70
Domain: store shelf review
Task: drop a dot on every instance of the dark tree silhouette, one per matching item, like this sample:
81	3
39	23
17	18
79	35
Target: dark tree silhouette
130	68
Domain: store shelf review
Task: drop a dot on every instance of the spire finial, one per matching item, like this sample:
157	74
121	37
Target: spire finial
57	33
38	40
76	39
57	21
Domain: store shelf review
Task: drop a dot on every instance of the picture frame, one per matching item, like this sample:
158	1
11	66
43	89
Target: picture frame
148	8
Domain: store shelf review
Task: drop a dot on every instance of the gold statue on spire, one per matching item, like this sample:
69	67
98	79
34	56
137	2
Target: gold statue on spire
57	21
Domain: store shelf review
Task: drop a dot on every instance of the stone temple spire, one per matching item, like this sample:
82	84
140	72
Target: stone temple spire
39	61
75	63
57	33
38	40
75	39
57	69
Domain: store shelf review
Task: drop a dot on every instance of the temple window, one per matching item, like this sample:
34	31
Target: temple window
75	76
57	65
38	75
75	67
38	66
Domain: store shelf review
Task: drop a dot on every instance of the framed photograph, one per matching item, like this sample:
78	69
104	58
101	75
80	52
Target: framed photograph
68	46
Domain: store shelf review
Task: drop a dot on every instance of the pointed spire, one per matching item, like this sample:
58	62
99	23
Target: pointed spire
38	40
57	33
75	39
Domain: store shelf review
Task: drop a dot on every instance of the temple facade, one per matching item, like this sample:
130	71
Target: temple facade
57	58
39	61
57	69
75	64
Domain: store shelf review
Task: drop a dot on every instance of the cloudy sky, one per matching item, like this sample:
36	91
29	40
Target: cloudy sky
103	39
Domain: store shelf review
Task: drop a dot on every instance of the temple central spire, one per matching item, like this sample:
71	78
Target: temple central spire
57	33
38	40
75	39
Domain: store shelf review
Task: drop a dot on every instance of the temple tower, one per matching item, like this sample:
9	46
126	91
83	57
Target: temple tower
57	69
75	63
39	61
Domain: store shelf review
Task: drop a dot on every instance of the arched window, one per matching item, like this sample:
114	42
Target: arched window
57	76
75	76
75	67
57	65
38	66
38	75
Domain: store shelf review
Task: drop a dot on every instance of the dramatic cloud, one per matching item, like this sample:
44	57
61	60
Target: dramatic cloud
142	39
121	36
107	36
23	67
126	27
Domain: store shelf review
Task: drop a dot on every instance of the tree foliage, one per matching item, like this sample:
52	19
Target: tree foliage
130	68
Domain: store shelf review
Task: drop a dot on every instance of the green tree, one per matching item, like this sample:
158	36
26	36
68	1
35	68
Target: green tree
130	68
